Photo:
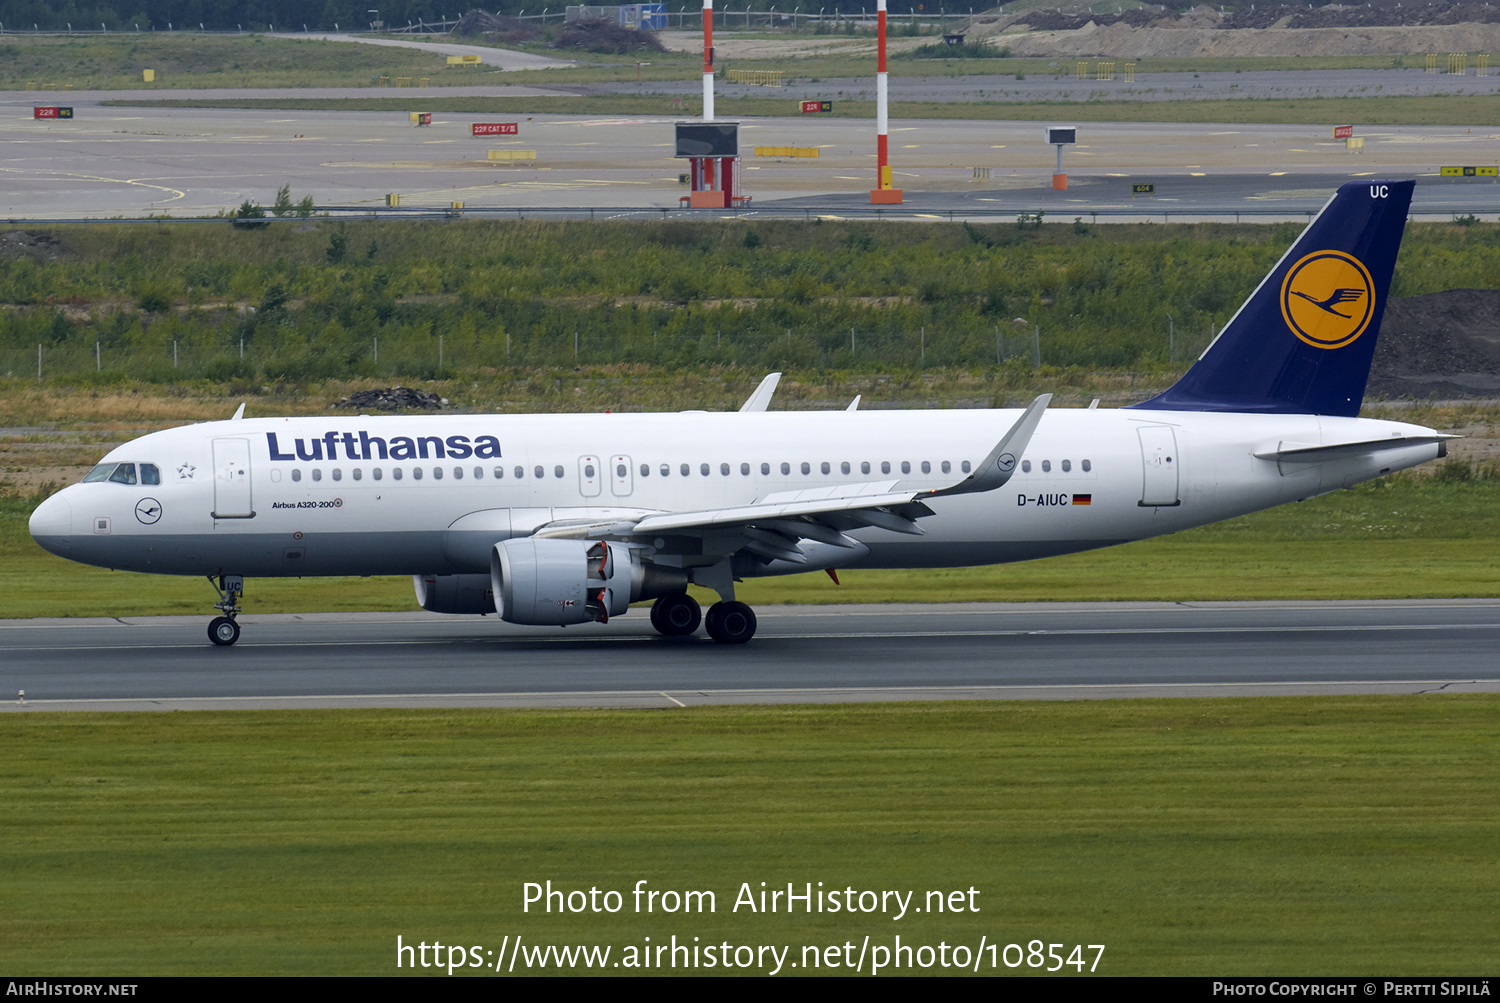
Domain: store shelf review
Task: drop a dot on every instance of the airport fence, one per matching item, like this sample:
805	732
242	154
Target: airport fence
862	347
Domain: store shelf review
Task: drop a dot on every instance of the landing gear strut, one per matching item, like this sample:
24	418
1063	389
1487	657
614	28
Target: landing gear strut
676	615
223	630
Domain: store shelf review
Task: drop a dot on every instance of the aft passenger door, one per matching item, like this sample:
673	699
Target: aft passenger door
232	479
1161	462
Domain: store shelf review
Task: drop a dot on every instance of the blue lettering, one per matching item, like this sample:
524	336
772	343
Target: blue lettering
487	447
403	448
317	450
276	454
458	446
437	445
1021	500
366	441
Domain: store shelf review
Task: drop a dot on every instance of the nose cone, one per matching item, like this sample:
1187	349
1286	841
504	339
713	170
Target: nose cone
52	524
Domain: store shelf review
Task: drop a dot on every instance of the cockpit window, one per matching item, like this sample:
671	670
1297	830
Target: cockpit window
119	473
150	474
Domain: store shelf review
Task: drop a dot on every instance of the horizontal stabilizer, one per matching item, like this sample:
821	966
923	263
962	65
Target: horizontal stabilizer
1299	452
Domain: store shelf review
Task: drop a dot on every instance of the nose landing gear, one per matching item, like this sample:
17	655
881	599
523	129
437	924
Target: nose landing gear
223	630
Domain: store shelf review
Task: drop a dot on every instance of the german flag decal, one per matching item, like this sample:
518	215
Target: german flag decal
1083	499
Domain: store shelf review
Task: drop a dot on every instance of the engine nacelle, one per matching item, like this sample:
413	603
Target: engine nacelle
547	582
454	593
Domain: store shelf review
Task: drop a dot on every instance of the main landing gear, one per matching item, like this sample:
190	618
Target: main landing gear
223	630
727	622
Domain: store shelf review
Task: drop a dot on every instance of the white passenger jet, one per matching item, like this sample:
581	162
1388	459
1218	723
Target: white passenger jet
567	519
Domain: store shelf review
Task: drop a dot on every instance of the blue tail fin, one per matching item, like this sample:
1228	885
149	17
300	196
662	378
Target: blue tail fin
1303	341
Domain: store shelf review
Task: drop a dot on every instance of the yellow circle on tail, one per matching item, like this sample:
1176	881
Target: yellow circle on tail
1328	299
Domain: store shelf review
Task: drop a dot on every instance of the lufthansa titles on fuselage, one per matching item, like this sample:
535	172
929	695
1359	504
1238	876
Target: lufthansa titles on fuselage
364	446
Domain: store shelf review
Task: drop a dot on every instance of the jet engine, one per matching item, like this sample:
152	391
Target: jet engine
549	582
454	593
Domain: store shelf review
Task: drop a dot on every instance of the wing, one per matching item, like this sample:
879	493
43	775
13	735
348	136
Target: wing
772	528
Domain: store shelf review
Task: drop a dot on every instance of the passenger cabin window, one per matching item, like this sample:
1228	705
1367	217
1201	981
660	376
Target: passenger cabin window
338	474
358	474
765	470
375	473
864	467
906	466
666	470
499	473
1067	465
416	473
296	475
885	466
540	472
806	467
703	469
557	471
825	467
396	473
947	467
926	467
1046	466
437	473
1025	466
745	469
520	473
317	474
685	470
1087	466
786	468
964	466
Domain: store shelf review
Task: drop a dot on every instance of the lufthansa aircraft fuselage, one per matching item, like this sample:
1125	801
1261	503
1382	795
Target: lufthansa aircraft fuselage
431	495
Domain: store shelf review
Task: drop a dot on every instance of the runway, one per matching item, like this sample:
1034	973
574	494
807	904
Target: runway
808	654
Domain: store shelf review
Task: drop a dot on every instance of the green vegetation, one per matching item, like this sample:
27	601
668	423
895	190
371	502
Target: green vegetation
502	295
183	60
1192	837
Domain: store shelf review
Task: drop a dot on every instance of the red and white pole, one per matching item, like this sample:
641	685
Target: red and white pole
708	60
883	193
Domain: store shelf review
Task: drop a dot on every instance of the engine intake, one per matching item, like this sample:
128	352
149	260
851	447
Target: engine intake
548	582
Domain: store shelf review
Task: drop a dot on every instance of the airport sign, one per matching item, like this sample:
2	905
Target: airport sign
814	107
1469	172
1343	131
495	129
51	112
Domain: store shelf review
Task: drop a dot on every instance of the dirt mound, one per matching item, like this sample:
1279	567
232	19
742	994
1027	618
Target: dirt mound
19	244
394	399
1440	345
1381	28
495	28
603	35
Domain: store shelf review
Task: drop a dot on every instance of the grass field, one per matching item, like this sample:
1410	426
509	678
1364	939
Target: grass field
1192	837
1452	109
184	60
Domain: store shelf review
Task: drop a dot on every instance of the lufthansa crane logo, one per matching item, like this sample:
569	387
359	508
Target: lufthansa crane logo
1328	298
